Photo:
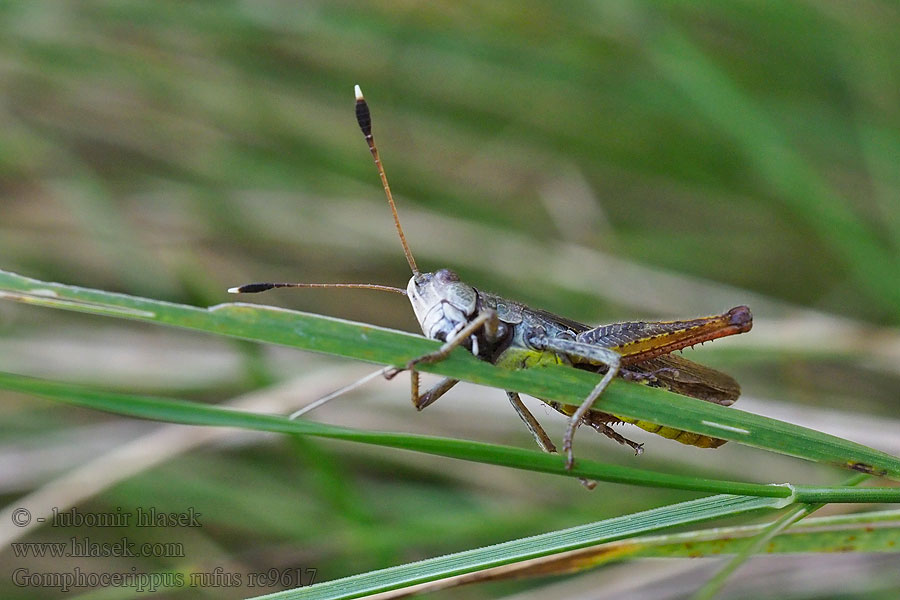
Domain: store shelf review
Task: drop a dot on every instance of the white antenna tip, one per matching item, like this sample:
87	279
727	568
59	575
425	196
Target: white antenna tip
358	92
234	290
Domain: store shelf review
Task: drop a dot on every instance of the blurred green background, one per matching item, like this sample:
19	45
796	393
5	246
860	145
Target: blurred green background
604	161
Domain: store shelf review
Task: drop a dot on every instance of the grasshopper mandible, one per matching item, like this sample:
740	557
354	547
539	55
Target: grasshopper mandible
514	336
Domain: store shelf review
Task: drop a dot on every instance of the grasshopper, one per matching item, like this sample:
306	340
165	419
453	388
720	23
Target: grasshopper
514	336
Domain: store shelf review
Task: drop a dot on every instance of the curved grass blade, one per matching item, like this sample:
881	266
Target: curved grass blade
193	413
411	577
755	544
861	532
375	344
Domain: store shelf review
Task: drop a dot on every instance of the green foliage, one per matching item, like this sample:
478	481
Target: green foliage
344	338
366	342
604	160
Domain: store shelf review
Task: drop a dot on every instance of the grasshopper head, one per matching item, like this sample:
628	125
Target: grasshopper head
442	303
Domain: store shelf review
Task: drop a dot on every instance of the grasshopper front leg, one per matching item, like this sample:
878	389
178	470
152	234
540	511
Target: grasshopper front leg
579	352
537	431
433	393
486	320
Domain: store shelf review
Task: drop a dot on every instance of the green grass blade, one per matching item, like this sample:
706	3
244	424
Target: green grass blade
861	532
527	548
384	346
754	545
880	533
192	413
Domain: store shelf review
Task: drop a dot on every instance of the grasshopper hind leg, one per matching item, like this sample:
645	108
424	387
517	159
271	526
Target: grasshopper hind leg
600	422
615	435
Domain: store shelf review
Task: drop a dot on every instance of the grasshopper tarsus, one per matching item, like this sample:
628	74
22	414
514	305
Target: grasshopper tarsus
435	392
567	448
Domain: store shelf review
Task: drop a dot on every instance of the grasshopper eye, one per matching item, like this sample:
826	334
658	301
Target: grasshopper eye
446	276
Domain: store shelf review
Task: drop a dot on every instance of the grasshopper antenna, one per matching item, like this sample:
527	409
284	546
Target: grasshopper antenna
255	288
364	118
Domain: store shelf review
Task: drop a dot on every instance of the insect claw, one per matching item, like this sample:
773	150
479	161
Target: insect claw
391	373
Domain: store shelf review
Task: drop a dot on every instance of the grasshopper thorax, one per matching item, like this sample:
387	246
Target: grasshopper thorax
442	303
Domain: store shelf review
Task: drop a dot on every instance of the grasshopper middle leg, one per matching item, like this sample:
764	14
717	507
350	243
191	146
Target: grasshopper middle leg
540	436
433	393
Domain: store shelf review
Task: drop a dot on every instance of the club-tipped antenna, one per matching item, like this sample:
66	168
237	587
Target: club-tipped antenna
364	118
254	288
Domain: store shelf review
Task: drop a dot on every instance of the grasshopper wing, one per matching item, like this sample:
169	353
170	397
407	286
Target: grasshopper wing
685	377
